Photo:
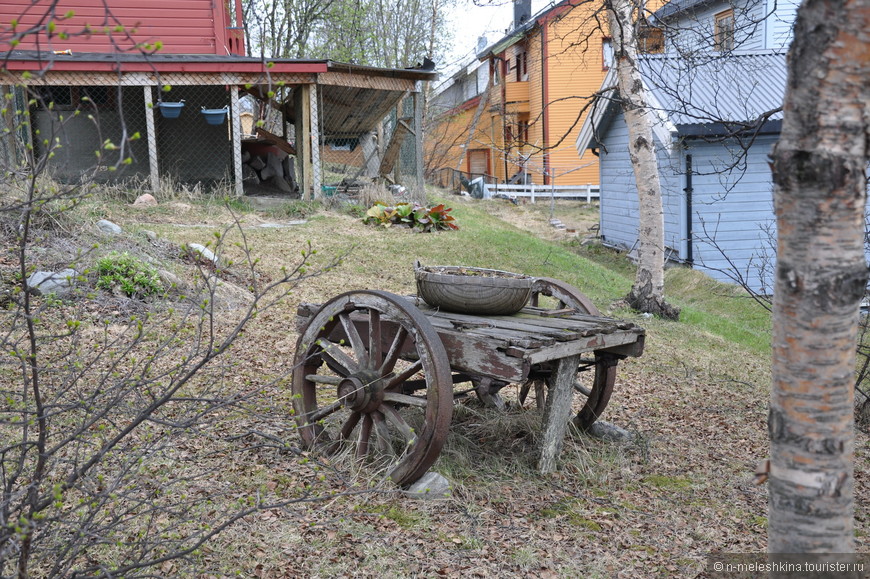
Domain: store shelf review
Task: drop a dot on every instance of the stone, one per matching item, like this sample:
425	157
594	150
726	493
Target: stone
249	175
257	164
610	432
109	228
150	235
280	184
169	279
47	282
146	200
430	486
204	252
228	296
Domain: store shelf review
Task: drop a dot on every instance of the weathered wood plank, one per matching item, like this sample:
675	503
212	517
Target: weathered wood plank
556	413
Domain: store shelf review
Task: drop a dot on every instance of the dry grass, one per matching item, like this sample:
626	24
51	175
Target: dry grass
653	508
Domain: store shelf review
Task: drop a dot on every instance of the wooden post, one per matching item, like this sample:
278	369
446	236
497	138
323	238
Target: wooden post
236	120
150	128
557	411
533	192
302	104
418	140
314	111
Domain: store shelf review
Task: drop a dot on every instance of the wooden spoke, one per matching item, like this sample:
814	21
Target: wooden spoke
394	351
394	418
405	374
382	433
322	379
349	424
397	398
364	437
337	360
322	413
375	355
354	338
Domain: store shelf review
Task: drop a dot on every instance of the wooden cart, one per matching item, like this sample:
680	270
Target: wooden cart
374	372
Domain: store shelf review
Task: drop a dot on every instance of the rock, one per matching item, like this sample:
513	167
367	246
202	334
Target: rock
280	184
169	279
430	486
204	252
257	164
109	228
249	175
47	282
149	235
146	200
610	432
228	296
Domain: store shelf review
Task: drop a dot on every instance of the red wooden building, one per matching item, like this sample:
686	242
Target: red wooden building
115	60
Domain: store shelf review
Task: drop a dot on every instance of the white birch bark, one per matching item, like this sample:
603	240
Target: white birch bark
647	293
819	198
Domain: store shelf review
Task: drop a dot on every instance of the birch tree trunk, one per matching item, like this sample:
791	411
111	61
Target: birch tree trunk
820	196
647	292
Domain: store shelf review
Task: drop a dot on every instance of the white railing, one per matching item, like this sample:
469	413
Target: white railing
533	192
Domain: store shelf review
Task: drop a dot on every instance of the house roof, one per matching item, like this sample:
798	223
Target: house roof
32	60
708	97
677	7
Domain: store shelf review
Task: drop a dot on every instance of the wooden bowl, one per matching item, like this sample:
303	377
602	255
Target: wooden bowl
473	290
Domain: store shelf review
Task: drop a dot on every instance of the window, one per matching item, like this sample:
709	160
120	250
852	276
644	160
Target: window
522	65
494	65
523	132
724	31
606	53
650	40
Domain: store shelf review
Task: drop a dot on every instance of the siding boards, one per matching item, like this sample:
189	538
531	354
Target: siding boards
733	211
185	27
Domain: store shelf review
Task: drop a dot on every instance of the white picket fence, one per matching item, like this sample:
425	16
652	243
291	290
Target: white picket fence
534	192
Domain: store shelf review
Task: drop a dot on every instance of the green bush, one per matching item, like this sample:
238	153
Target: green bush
132	276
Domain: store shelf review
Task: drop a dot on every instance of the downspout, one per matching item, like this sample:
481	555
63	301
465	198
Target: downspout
688	189
504	81
545	94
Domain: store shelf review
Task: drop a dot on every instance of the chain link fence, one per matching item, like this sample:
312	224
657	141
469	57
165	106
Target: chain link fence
370	136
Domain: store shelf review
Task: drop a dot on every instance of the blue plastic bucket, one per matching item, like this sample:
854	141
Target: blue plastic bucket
170	110
215	116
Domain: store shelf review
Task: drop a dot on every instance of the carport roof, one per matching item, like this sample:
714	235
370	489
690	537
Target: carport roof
34	61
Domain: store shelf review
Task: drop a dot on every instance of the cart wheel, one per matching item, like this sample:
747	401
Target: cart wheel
555	294
372	376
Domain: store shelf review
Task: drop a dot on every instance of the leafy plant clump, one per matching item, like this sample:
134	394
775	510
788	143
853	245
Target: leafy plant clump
122	272
417	217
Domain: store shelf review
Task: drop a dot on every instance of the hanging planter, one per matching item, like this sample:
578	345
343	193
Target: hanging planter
215	116
170	110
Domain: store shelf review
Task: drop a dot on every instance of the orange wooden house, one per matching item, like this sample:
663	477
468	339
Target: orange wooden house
541	77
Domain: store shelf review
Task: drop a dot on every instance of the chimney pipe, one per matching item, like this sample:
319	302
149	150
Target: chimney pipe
522	12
